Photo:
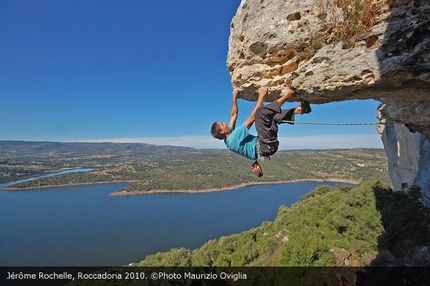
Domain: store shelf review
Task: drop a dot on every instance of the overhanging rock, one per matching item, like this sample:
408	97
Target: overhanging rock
293	43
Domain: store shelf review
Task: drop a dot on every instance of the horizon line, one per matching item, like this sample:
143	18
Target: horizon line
341	141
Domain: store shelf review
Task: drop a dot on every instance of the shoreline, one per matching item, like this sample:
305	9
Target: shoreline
5	188
230	188
159	191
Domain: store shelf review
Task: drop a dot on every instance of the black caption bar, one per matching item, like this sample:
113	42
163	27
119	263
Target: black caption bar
94	276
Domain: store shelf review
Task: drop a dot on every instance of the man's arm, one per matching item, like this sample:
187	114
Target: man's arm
262	92
234	109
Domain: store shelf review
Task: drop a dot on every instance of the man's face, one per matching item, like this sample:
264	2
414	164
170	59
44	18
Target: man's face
223	128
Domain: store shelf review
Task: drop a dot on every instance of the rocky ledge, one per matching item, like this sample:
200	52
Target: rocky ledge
335	51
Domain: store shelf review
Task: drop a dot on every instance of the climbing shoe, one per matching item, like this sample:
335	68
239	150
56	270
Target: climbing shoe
306	107
256	169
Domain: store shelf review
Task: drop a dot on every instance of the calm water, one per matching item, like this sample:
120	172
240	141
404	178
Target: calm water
83	226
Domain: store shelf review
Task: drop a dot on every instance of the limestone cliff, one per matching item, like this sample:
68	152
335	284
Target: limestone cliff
331	50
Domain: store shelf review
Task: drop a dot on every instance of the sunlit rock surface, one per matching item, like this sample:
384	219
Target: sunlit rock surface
274	43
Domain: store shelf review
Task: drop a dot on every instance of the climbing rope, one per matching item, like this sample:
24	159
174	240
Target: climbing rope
342	123
332	123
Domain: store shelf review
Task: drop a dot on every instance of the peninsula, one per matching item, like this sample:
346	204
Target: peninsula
196	171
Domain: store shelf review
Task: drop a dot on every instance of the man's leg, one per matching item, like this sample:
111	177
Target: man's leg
267	128
269	116
304	105
288	114
270	110
267	119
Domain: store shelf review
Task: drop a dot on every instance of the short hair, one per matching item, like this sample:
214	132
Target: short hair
215	131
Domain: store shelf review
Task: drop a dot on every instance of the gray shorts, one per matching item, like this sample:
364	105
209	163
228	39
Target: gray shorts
267	119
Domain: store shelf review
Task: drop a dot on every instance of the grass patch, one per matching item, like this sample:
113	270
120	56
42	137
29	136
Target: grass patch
342	20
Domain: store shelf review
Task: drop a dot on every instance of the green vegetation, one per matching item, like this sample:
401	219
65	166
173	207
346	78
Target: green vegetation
341	226
201	171
343	21
351	19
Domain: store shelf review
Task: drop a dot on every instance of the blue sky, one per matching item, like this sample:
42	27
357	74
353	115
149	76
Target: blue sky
137	71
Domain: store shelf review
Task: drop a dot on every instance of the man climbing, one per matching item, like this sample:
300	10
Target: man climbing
266	118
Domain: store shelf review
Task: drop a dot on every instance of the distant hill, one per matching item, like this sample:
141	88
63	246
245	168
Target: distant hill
26	149
24	159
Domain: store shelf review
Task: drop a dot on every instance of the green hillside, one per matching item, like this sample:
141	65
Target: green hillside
341	226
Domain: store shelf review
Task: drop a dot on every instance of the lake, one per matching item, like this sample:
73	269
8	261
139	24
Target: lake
83	226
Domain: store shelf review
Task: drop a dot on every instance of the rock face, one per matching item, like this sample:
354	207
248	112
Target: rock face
312	46
408	157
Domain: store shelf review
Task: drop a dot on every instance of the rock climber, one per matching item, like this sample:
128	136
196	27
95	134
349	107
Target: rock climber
266	118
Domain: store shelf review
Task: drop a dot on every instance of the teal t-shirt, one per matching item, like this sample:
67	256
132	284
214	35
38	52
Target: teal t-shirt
241	142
